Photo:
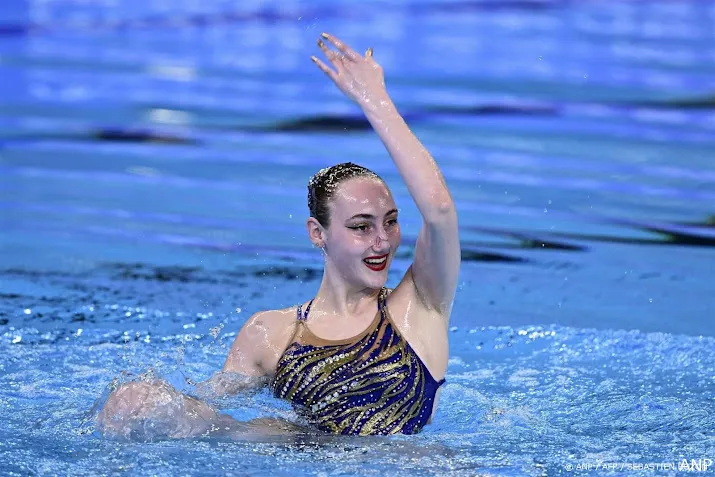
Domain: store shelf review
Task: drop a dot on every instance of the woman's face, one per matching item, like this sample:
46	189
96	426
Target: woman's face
364	234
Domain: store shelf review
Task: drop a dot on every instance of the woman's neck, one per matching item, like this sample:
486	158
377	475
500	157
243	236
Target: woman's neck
336	297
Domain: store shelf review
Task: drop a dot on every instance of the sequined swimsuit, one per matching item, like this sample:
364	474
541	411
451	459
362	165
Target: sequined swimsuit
373	383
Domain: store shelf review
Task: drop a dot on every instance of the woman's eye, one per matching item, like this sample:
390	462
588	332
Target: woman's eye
366	227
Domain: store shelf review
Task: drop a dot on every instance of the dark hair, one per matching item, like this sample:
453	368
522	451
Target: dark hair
322	187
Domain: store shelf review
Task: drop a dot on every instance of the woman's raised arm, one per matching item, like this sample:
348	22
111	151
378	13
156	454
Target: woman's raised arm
435	269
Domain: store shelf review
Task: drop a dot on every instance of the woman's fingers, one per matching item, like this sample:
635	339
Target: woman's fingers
324	48
330	55
344	49
331	74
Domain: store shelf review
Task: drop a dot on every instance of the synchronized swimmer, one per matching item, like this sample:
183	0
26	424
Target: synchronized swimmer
357	358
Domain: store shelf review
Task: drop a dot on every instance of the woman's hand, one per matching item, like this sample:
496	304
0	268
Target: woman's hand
148	410
359	77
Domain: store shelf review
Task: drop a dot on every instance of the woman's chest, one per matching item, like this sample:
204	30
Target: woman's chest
341	389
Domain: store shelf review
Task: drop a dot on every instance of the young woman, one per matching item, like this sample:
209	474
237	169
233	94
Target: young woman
348	363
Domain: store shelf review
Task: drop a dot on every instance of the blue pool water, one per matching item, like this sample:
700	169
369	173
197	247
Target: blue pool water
153	163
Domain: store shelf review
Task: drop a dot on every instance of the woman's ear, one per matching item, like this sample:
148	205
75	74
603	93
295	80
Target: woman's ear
316	233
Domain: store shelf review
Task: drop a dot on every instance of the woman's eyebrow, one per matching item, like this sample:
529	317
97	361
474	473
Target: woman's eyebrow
370	216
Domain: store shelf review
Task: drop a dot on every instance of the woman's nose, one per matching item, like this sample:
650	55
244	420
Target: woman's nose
381	237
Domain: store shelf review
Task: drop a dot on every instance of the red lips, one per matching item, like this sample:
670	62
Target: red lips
376	267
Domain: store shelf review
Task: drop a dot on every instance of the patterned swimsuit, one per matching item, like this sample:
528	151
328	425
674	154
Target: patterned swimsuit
373	383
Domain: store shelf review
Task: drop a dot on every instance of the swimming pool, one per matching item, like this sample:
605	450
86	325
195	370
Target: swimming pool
154	158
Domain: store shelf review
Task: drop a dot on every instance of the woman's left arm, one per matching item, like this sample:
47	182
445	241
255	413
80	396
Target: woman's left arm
435	269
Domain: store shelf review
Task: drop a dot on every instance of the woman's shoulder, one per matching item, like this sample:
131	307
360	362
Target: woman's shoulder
271	331
253	350
272	319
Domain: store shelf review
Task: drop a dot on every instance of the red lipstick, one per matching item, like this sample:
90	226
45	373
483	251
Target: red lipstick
376	263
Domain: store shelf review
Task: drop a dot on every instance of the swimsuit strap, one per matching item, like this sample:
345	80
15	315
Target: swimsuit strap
301	319
382	300
304	316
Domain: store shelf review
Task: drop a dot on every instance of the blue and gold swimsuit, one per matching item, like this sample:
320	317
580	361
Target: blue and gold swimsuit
373	383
